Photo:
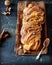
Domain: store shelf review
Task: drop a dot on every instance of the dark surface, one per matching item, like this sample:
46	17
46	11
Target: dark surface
7	54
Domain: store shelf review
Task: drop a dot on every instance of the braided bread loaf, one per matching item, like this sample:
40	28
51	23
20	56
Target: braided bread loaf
32	21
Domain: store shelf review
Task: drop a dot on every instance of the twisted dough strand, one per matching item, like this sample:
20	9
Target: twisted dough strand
33	17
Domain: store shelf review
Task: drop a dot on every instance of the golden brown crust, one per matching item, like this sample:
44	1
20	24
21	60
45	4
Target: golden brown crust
33	17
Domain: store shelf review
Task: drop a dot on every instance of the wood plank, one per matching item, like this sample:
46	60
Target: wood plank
20	7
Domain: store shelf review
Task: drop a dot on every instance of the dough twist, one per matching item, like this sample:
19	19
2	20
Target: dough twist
32	21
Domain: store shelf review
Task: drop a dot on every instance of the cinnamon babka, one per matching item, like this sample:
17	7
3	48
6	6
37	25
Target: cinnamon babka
33	18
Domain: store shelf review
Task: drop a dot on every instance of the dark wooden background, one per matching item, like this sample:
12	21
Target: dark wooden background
7	55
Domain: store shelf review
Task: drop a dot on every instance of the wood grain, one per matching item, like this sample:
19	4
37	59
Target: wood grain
20	7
